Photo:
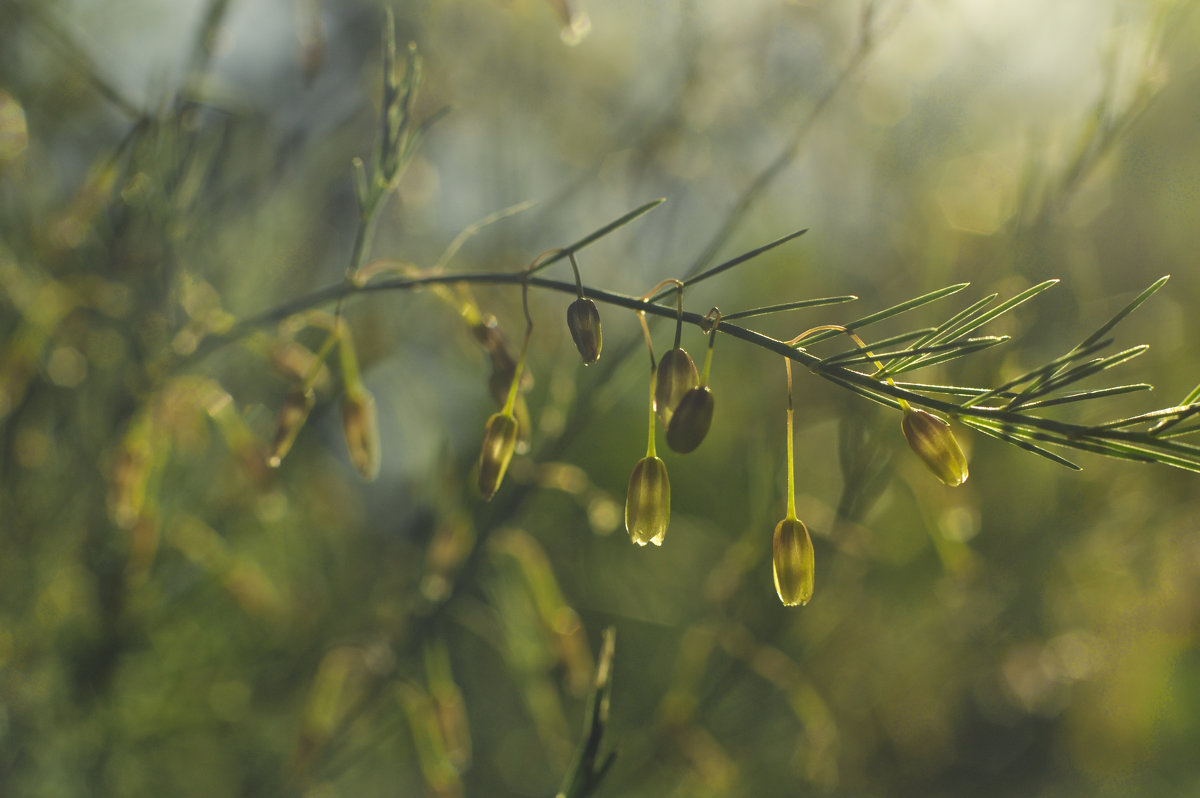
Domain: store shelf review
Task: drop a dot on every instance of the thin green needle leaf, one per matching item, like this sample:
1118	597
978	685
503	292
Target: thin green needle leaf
803	303
1080	372
1081	396
1132	306
1177	433
1193	396
957	349
953	390
1104	328
1005	306
876	345
887	313
861	390
1034	374
986	429
729	264
945	329
967	347
1175	414
599	234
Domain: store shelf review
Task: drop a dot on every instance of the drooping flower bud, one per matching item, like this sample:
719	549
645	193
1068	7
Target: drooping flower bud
583	320
930	437
360	423
676	376
692	418
792	558
499	440
292	416
648	505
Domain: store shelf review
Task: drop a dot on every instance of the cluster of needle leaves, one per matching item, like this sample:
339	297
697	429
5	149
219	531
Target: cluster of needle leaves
1011	412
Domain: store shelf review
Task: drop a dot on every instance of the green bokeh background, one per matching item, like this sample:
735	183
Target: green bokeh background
297	631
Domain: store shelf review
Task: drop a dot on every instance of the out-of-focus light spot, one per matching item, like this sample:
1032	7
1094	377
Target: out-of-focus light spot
575	23
14	135
959	524
604	515
66	367
976	193
577	30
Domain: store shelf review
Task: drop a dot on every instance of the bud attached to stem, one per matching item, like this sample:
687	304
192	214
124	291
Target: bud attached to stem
676	376
296	407
693	415
500	434
583	320
499	440
691	420
648	503
360	423
933	441
792	558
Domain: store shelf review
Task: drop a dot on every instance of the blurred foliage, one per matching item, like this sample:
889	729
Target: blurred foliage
179	618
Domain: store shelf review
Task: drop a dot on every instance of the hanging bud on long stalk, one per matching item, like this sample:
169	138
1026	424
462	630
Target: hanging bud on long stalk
792	557
648	502
500	434
693	415
676	376
583	320
792	560
499	440
933	441
360	423
691	420
296	407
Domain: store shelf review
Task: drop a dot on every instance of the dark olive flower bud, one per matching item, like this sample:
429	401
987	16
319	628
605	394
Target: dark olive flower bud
499	440
583	320
292	416
676	376
692	418
930	437
648	505
792	557
360	423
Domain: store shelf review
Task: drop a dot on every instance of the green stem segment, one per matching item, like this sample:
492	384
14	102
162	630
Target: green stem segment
715	316
791	475
511	401
650	450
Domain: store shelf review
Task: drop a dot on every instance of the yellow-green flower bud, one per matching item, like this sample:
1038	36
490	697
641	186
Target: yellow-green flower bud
583	320
930	437
360	423
499	440
792	557
292	416
692	418
676	376
648	505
